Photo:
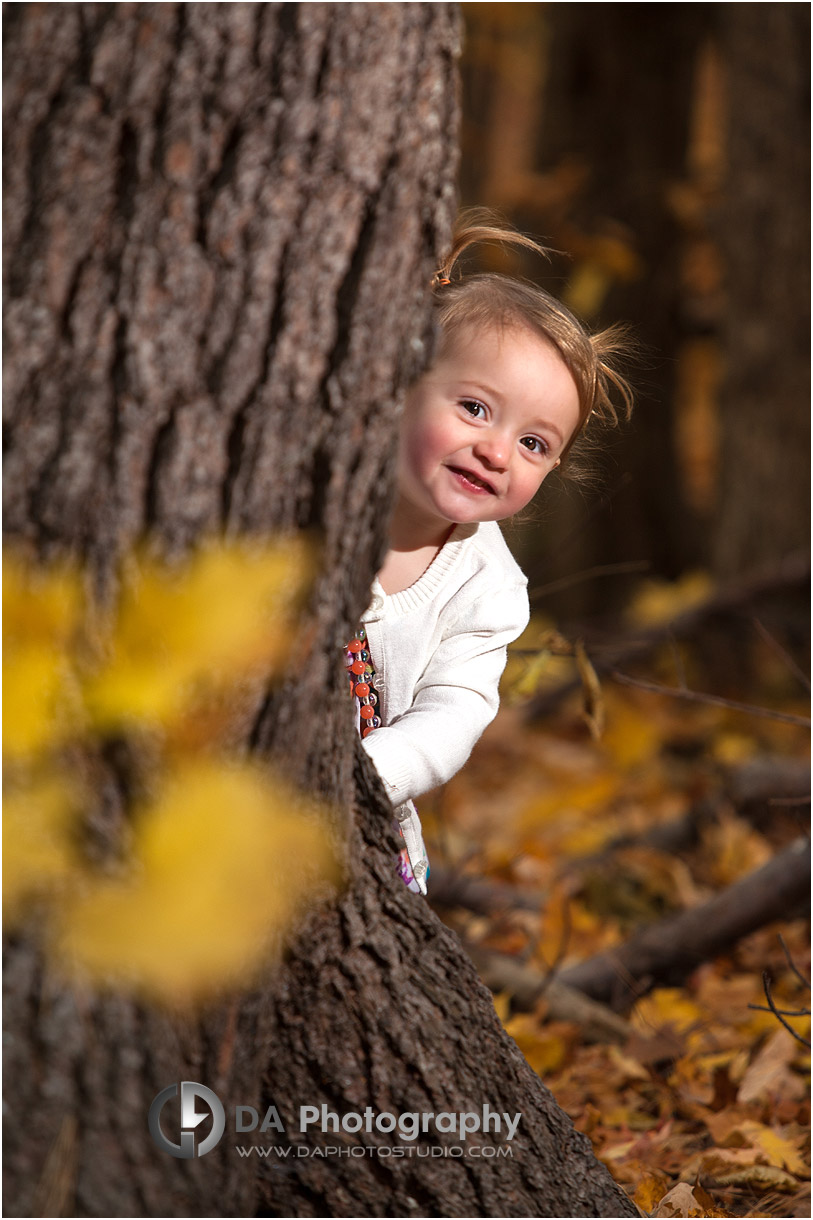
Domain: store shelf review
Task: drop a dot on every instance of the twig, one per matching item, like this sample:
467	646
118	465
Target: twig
656	688
781	652
766	983
791	571
805	982
578	578
786	1012
680	669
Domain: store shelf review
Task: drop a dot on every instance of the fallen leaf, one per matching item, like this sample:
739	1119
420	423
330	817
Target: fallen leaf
650	1190
739	1167
679	1201
781	1151
629	1065
667	1007
545	1051
769	1075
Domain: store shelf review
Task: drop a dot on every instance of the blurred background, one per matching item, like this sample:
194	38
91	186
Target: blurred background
650	761
663	149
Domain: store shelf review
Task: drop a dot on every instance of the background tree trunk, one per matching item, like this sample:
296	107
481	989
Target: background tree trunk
220	222
602	97
620	103
764	495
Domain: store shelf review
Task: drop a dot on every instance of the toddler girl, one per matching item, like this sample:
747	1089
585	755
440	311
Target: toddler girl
514	382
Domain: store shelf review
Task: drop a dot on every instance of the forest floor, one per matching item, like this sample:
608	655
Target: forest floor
699	1103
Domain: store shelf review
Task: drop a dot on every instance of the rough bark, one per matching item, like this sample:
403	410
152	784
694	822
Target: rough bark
382	1007
220	223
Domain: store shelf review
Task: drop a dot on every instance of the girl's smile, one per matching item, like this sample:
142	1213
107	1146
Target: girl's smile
472	482
482	429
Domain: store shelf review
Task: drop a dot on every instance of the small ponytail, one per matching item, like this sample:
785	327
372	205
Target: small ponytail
484	299
475	226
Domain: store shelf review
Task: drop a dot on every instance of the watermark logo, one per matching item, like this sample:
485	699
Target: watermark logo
197	1103
190	1119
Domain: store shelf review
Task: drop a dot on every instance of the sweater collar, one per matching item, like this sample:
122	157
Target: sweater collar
427	585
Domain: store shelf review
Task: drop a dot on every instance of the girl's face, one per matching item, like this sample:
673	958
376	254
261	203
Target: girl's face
483	427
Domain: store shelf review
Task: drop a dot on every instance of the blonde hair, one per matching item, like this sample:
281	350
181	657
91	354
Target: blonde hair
493	299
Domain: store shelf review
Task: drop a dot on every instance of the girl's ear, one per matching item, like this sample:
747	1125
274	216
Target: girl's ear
558	462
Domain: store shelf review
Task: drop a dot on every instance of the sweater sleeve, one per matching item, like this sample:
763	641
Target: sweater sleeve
455	698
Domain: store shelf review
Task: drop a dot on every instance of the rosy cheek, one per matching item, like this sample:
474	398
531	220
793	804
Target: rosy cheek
427	442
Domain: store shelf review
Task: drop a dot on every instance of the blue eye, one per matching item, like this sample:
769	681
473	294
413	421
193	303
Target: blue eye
534	445
475	409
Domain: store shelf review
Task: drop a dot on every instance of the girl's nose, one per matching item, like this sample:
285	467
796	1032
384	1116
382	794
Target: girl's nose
492	449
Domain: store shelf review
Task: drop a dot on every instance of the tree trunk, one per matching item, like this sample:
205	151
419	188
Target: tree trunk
220	222
765	234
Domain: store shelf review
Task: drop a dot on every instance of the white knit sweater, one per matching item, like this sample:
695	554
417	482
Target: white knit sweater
439	649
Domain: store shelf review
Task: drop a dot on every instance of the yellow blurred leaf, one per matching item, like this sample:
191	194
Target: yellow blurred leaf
222	859
630	1067
606	258
37	848
630	736
617	1152
180	636
41	614
42	604
660	601
731	748
587	288
35	703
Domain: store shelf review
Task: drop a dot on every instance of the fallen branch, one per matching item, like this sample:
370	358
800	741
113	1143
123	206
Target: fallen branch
667	952
766	782
526	986
453	889
754	789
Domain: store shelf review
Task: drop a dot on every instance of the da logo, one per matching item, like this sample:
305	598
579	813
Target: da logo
190	1118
